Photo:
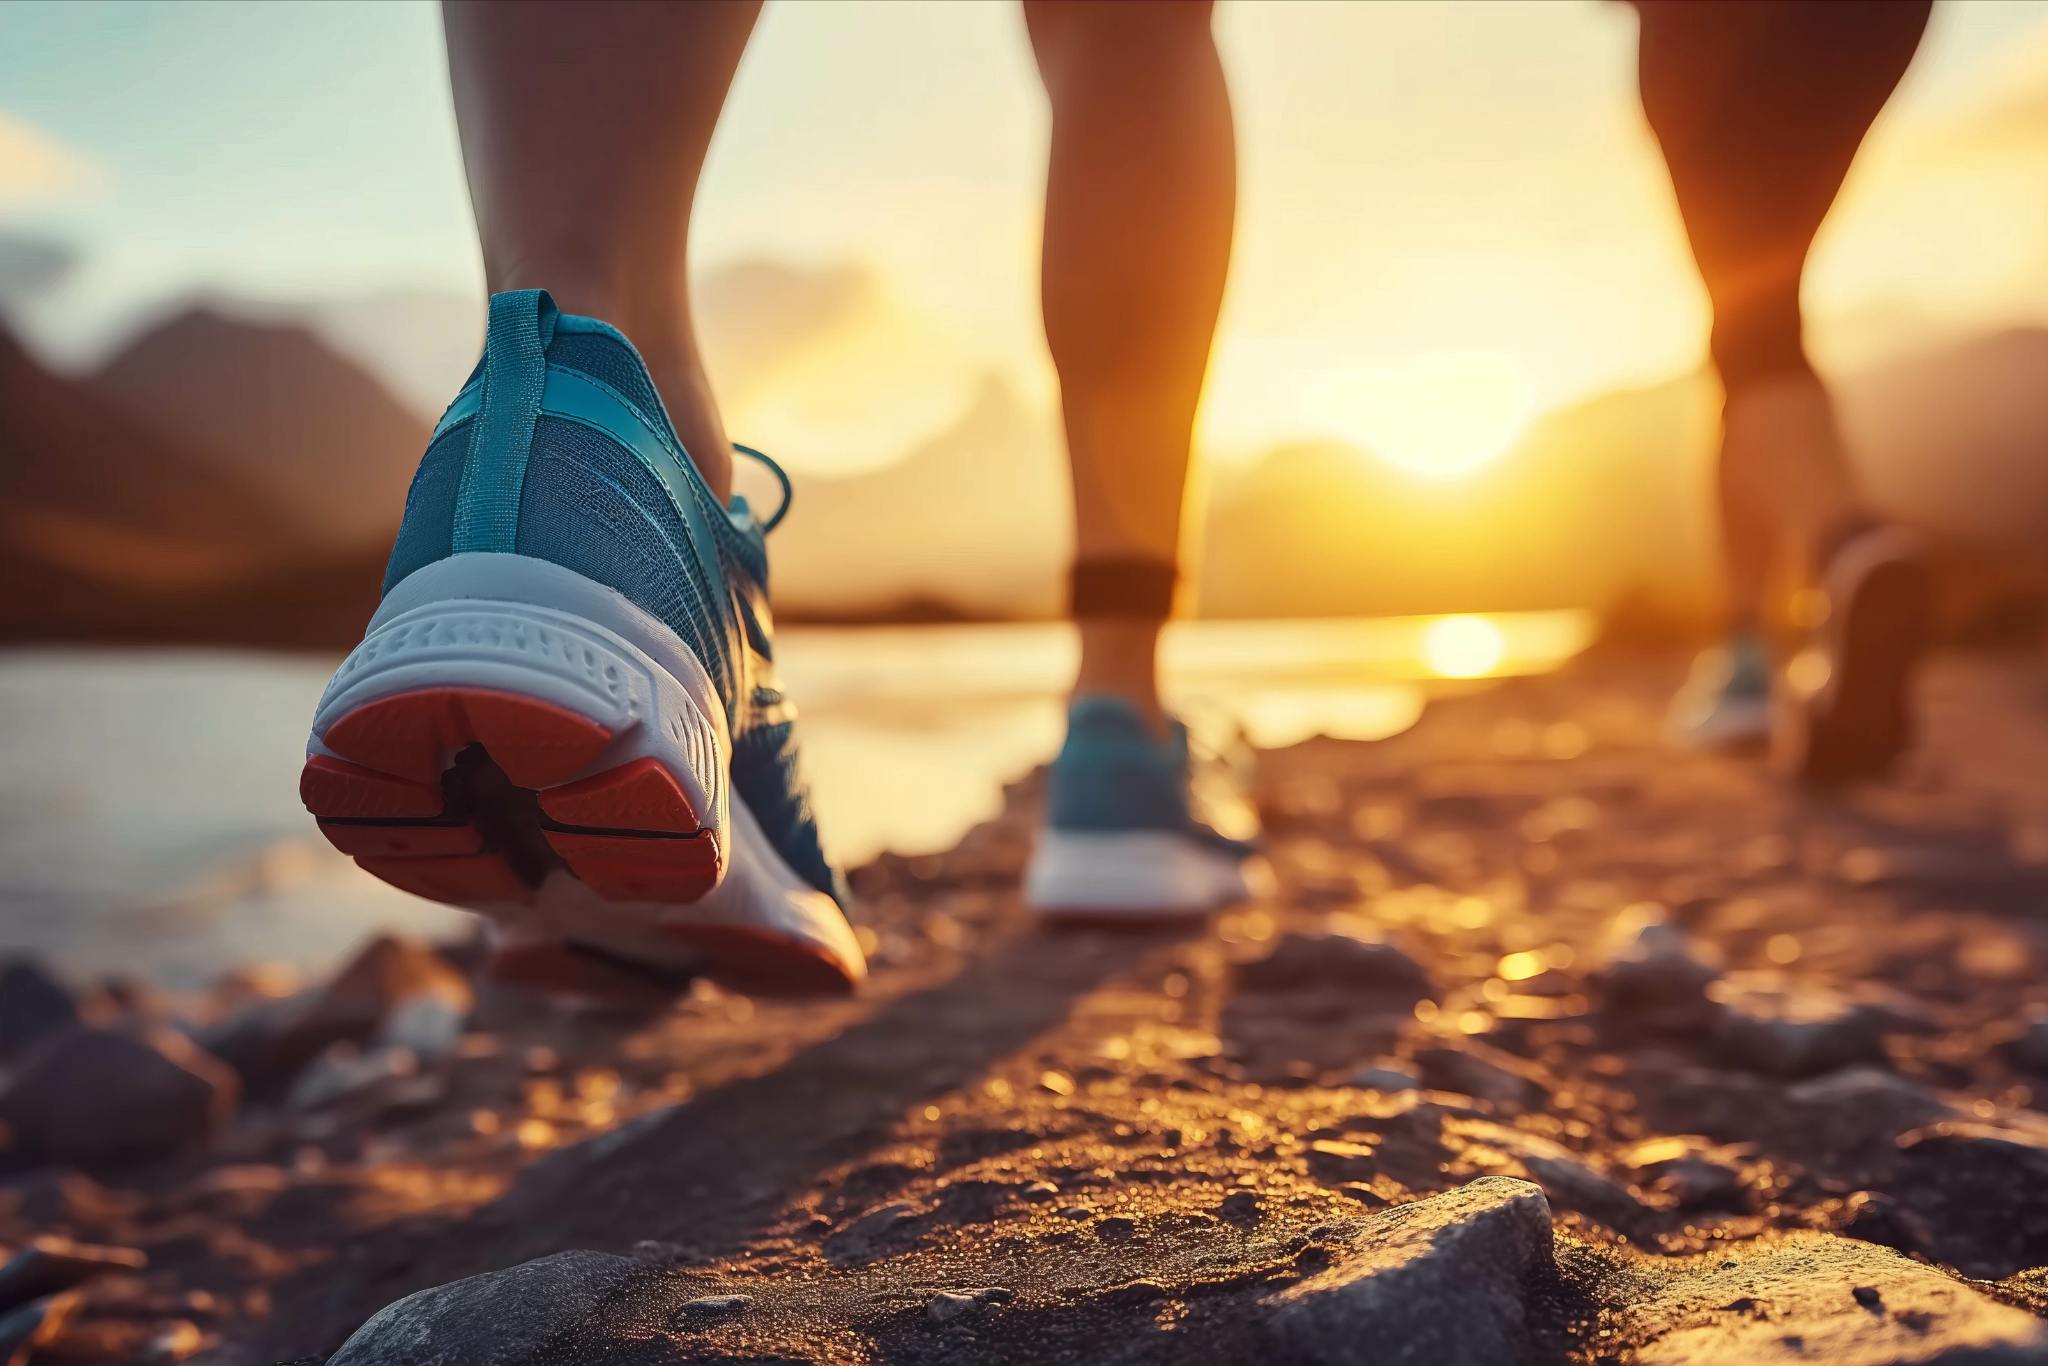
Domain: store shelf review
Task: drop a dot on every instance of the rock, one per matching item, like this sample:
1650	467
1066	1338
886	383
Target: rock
1386	1076
862	1238
1307	962
172	1343
344	1071
1812	1297
2030	1049
1040	1190
1688	1173
948	1305
1657	980
1332	1160
1785	1029
1444	1280
1847	1121
1484	1074
396	992
1563	1174
90	1097
32	1326
1975	1195
573	1306
701	1313
1239	1207
51	1264
32	1004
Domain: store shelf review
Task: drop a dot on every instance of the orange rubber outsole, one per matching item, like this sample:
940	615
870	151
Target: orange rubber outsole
630	832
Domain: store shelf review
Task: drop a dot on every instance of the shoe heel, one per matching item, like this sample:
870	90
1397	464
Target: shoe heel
468	749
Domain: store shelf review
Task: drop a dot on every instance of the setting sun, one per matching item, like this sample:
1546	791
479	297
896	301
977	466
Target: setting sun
1463	647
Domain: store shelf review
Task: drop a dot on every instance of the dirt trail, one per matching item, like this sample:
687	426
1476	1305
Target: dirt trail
1123	1148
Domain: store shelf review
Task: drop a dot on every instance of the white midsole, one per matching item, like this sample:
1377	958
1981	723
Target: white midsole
1135	873
511	623
759	891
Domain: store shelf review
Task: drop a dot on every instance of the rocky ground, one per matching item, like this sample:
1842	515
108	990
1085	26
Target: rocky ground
1551	1046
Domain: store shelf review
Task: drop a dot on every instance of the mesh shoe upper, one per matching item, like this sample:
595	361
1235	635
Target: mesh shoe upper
605	488
1113	774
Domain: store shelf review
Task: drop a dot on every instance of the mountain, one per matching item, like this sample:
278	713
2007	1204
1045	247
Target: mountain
110	531
972	523
277	411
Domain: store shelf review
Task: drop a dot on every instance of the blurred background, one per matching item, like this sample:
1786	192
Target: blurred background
1458	423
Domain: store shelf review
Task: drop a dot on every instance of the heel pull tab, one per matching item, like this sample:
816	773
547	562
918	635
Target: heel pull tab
522	322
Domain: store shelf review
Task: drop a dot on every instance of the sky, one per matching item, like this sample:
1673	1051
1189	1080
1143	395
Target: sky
1451	216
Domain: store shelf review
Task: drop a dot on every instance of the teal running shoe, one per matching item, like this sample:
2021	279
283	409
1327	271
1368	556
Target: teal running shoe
565	714
1726	701
1139	829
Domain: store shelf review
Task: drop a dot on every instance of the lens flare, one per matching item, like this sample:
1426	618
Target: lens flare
1463	647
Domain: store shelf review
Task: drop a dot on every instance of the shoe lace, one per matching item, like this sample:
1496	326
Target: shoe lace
788	493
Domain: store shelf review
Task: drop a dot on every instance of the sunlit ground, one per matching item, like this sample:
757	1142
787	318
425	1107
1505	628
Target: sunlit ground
149	814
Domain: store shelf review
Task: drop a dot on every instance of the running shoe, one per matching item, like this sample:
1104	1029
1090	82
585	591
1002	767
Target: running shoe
565	714
1138	829
1726	701
1845	711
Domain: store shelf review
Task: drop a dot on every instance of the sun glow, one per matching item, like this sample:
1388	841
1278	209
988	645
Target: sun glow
1442	415
1463	647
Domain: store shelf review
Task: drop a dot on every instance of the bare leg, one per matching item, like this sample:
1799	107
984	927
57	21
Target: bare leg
1140	196
584	127
1760	106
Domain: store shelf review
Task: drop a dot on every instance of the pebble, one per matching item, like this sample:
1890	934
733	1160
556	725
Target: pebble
948	1305
32	1004
1787	1029
1484	1074
1658	980
1976	1195
1563	1174
572	1306
1390	1077
33	1325
858	1240
92	1097
344	1071
1439	1280
1307	961
1240	1207
2030	1049
396	991
1814	1297
51	1264
710	1309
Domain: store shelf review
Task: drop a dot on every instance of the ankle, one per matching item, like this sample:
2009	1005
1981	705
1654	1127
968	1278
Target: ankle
655	319
1119	659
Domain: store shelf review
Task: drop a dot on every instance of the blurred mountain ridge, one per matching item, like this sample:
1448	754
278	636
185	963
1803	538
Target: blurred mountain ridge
234	480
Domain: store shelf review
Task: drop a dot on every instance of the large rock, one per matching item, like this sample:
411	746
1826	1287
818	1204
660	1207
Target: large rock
92	1097
1444	1281
1813	1297
32	1004
571	1309
1337	962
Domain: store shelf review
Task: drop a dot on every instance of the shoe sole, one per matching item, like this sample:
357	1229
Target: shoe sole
1134	877
518	740
1860	720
